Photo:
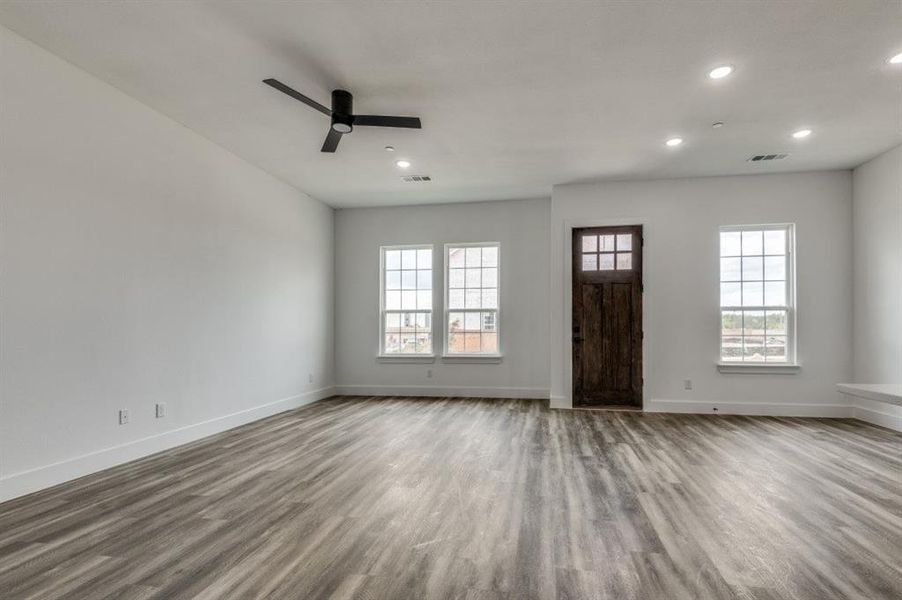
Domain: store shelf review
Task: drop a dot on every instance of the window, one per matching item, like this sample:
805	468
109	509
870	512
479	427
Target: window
613	252
756	294
406	323
471	299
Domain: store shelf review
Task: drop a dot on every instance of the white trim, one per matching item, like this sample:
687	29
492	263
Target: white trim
877	417
750	368
26	482
881	392
437	390
472	358
566	399
775	409
446	268
400	359
880	404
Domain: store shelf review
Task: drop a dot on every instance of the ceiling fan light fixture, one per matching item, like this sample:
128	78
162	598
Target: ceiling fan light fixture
341	127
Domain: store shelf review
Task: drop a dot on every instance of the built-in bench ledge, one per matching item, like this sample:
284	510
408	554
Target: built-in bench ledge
870	402
881	392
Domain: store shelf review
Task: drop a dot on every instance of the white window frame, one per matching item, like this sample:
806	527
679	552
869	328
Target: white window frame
446	353
790	364
401	357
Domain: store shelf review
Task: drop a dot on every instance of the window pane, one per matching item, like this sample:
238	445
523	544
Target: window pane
731	348
408	343
624	261
408	280
730	269
473	298
730	243
488	321
393	280
408	300
424	299
776	322
456	342
753	323
590	243
424	280
590	262
424	343
392	322
775	268
607	243
474	257
423	322
490	256
490	343
472	342
455	278
392	301
624	241
752	268
731	294
775	348
472	321
753	349
392	343
489	278
408	259
392	259
752	243
731	323
752	293
490	298
424	258
455	298
474	278
775	293
456	257
606	262
775	241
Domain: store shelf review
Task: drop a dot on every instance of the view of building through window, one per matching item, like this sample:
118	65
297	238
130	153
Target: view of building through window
407	300
472	299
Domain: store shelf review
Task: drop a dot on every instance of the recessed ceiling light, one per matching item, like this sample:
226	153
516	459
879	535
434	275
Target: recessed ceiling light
801	133
403	163
675	141
389	148
720	72
895	60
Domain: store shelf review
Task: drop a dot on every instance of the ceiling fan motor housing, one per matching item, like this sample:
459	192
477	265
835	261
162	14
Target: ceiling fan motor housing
342	111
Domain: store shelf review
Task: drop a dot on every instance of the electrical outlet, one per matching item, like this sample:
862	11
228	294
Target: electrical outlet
123	416
161	410
687	384
429	373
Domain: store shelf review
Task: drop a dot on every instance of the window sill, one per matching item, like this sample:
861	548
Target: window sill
759	368
472	358
405	358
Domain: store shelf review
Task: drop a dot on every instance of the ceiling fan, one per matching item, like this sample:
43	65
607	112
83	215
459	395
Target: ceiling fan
342	114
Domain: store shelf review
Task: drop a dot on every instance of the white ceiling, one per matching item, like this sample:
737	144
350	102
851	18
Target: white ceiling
514	96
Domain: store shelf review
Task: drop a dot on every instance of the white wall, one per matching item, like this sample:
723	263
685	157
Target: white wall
141	263
877	300
522	229
681	219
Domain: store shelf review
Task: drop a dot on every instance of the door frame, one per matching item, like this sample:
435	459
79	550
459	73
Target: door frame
567	339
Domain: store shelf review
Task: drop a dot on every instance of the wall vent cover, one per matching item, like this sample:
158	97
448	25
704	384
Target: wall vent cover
760	157
416	178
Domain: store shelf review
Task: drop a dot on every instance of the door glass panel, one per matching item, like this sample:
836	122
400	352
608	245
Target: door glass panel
606	262
624	261
607	243
590	243
590	262
624	242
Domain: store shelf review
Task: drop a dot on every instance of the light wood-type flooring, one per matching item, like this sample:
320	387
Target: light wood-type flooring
480	500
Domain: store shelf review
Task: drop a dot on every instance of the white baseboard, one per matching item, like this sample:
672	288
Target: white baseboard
876	417
437	390
559	402
749	408
26	482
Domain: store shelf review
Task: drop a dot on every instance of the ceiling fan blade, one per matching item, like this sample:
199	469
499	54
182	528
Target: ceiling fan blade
331	142
297	95
380	121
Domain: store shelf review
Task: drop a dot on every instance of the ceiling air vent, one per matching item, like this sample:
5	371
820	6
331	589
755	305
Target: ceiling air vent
760	157
416	178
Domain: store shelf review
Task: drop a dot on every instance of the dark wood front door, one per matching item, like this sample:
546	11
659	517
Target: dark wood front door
607	316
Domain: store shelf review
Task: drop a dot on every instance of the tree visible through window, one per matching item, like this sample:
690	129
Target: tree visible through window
406	300
756	287
472	272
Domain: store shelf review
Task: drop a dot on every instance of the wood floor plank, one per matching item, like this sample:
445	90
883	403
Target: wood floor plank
479	499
